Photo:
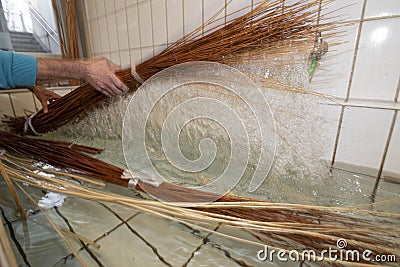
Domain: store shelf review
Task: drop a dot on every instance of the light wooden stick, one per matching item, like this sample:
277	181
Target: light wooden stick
13	192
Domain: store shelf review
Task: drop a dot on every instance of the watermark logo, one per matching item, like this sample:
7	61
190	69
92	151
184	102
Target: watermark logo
196	119
332	254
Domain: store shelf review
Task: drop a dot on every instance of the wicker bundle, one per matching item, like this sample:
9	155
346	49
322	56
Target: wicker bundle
280	225
265	29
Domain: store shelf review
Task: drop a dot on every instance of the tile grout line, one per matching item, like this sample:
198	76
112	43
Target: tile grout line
152	25
108	32
205	240
104	234
202	18
128	36
227	254
386	149
387	145
140	35
14	238
116	29
339	129
85	247
12	104
125	222
166	21
183	17
98	28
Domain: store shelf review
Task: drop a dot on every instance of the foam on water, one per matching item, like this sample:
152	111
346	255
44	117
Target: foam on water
299	174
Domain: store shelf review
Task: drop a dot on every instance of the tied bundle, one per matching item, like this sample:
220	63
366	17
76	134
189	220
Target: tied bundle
280	225
270	27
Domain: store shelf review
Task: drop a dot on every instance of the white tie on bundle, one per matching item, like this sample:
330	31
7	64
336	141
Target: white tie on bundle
135	177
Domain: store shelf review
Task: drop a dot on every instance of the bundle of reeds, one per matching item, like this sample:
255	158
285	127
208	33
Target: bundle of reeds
267	28
278	225
64	155
71	106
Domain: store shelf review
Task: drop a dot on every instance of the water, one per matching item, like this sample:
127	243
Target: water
129	237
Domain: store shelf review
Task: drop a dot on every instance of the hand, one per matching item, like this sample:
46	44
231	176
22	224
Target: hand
44	95
100	74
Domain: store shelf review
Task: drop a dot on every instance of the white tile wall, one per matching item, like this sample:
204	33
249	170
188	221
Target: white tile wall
212	7
130	31
333	75
133	26
363	137
104	37
122	30
94	29
393	157
159	15
382	8
145	24
379	57
119	4
174	20
5	105
23	103
100	7
344	10
112	32
192	15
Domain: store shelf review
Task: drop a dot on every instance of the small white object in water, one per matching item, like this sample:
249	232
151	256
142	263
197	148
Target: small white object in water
135	177
51	200
2	152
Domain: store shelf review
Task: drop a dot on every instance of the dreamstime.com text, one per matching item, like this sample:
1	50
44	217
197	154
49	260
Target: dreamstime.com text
331	254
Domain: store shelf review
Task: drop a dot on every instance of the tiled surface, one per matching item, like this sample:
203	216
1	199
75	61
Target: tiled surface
145	24
113	34
378	57
392	162
5	105
159	15
122	29
177	241
133	26
192	15
363	136
333	74
174	20
381	8
343	10
23	103
126	238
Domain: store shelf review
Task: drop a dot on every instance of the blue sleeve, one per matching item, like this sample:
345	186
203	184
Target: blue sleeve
17	70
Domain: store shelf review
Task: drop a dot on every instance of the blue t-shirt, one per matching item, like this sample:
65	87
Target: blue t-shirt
17	70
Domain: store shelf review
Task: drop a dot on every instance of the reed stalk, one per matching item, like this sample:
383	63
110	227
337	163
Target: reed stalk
266	29
69	245
13	191
280	225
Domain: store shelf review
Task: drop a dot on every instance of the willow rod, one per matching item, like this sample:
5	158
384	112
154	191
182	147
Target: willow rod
274	228
263	30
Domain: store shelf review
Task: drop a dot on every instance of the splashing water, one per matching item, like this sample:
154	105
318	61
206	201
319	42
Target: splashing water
298	173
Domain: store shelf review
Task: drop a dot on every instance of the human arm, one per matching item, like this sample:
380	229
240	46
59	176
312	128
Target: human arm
98	72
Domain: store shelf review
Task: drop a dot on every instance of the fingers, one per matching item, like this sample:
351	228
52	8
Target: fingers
44	105
119	84
53	95
100	74
113	66
111	86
